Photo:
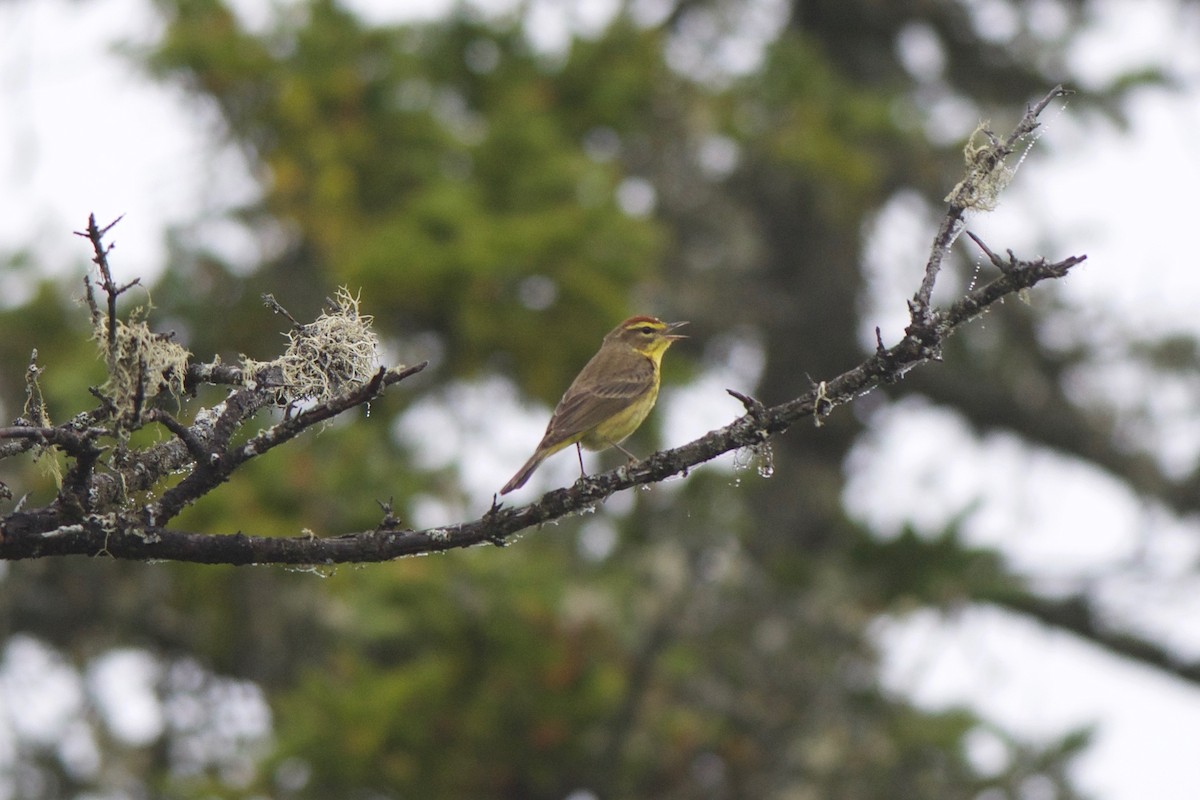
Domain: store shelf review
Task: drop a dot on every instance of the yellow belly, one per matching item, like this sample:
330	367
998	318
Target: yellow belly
618	427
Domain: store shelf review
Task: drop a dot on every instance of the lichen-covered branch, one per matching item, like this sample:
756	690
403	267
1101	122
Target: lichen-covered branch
329	367
986	176
123	535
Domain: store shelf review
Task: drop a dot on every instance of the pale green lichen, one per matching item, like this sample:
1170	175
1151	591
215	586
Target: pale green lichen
987	174
336	352
37	414
141	363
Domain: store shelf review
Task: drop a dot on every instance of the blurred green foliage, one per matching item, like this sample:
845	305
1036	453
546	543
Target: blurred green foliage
438	168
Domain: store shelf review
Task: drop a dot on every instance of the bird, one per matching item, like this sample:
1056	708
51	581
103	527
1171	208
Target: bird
611	395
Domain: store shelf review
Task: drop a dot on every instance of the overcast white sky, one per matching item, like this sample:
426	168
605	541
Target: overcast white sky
81	130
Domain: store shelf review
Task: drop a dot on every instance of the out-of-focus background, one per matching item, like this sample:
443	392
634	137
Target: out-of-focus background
980	583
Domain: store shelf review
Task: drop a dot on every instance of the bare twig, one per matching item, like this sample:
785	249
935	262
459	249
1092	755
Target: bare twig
997	262
270	302
753	407
190	440
95	235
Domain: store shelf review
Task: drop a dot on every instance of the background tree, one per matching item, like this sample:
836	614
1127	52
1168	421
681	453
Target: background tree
499	205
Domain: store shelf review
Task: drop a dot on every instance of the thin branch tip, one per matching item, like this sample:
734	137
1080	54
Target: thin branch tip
998	262
270	302
109	226
753	406
880	349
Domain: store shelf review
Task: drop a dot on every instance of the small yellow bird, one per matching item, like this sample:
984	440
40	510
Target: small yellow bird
611	395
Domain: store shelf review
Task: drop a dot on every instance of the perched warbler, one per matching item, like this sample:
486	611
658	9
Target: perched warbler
610	397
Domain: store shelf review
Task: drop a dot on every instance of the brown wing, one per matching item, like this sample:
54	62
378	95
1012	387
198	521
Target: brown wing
587	402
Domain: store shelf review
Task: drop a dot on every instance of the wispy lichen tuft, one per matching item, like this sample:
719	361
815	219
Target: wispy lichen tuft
141	364
336	352
987	174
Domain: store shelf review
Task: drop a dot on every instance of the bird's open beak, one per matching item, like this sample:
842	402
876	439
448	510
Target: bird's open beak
672	326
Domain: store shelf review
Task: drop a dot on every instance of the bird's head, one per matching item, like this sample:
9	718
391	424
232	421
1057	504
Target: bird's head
649	336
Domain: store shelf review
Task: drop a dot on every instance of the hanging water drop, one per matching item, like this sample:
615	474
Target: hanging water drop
975	275
766	459
321	571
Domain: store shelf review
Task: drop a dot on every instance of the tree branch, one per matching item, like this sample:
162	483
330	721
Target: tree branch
986	177
104	525
122	535
95	234
1076	615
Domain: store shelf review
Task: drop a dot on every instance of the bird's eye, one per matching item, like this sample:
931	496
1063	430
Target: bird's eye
646	329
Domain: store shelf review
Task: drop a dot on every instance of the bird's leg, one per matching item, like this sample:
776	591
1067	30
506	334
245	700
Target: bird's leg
579	452
632	458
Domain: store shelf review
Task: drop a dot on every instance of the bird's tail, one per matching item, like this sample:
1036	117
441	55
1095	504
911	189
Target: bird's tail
518	480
